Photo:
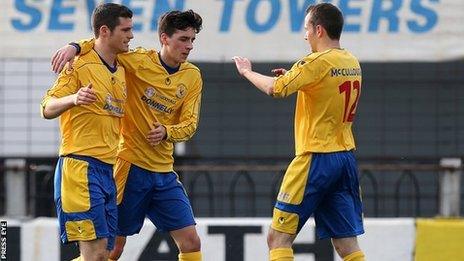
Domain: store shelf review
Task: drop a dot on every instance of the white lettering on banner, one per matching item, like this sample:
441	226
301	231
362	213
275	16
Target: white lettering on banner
374	30
30	16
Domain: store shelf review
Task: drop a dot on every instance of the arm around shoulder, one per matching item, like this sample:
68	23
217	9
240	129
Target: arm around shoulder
134	59
86	45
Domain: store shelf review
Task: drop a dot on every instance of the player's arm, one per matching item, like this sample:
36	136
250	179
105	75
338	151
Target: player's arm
132	59
187	125
303	75
65	55
129	60
54	107
64	95
189	116
262	82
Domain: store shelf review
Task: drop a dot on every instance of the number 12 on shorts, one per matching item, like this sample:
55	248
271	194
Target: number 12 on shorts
346	87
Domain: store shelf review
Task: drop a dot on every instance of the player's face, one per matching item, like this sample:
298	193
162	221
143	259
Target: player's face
310	33
179	45
121	35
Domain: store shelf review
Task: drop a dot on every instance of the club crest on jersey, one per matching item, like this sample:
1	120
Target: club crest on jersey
149	92
68	70
167	81
181	91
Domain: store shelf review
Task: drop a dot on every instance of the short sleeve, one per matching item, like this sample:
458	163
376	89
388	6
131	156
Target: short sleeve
303	75
66	84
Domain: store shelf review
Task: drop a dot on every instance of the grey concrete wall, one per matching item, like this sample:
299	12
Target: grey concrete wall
406	110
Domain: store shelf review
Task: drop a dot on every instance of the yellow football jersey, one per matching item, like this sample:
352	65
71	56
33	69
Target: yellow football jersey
91	130
156	96
328	85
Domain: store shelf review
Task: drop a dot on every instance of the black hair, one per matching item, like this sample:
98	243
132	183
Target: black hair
108	14
328	16
178	20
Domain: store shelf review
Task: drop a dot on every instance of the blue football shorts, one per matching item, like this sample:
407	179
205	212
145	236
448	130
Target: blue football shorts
85	199
159	196
323	184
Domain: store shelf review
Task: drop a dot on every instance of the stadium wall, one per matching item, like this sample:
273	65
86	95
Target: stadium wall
407	111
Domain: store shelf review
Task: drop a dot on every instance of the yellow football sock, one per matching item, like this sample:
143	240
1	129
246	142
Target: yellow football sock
192	256
281	254
355	256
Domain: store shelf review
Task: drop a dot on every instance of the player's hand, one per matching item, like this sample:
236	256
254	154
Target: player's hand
156	134
64	55
243	64
85	96
279	71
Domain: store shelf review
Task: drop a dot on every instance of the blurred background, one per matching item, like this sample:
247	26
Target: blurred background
409	124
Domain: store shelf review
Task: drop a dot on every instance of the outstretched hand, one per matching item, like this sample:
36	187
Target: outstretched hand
62	56
85	96
156	134
243	64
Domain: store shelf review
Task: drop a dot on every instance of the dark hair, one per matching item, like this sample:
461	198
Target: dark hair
177	20
329	17
108	14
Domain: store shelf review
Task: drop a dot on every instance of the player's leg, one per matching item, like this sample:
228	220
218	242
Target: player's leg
86	205
348	248
95	250
133	185
171	212
280	245
293	207
188	242
118	248
339	215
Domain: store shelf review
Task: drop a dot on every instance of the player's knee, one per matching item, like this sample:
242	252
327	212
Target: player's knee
341	250
270	239
276	239
273	239
190	243
345	246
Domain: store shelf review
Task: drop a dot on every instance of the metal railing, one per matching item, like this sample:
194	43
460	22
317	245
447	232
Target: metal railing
250	189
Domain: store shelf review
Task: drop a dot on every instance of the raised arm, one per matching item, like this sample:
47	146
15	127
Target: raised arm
262	82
